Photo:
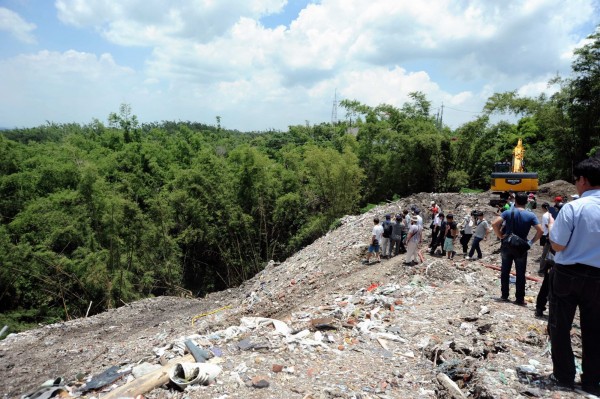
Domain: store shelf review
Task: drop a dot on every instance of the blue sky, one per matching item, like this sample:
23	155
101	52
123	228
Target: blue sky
268	64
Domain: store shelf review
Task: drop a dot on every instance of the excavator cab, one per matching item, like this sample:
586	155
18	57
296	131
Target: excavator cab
502	167
509	176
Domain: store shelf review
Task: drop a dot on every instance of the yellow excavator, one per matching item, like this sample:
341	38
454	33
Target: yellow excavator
511	176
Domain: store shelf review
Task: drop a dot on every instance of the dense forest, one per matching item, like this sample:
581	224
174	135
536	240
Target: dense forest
94	216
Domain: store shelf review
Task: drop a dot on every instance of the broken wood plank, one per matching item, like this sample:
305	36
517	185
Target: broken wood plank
148	382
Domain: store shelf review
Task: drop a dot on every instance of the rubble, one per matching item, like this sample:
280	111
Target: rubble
319	325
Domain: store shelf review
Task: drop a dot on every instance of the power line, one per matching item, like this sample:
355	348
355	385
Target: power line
462	110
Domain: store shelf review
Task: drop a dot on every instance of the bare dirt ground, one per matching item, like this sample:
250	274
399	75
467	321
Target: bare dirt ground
355	331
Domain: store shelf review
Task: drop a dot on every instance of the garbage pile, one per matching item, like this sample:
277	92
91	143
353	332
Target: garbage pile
322	325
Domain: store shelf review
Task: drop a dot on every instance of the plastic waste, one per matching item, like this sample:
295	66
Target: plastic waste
185	374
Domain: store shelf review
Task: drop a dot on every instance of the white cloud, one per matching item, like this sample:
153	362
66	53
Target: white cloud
62	87
12	22
214	57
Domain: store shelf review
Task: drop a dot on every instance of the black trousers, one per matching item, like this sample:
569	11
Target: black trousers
542	297
573	286
464	241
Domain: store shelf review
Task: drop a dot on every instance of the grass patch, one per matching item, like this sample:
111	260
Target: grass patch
466	190
367	208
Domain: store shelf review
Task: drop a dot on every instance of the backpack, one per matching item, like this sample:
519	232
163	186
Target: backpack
387	229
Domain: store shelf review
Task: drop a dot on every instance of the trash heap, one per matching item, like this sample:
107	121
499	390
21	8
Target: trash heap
322	325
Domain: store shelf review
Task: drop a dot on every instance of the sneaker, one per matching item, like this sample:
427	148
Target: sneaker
501	299
468	258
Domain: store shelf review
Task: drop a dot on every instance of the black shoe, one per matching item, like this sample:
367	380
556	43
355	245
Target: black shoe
520	302
539	313
594	389
562	384
501	299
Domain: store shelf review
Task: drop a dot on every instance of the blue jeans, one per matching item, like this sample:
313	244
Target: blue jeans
475	247
520	268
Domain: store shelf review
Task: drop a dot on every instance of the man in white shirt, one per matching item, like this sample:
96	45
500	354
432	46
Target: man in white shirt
376	235
547	220
575	281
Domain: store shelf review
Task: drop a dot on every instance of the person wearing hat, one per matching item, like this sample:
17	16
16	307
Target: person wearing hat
413	239
558	204
481	232
434	210
531	202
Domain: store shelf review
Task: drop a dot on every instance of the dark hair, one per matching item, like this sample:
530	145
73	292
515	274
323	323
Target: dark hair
546	205
376	220
479	213
521	198
449	216
405	211
441	214
590	169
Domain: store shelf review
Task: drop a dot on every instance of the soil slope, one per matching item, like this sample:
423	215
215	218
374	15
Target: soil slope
380	331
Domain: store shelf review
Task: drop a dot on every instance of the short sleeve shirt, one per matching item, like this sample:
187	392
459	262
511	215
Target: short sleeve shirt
577	227
378	232
524	220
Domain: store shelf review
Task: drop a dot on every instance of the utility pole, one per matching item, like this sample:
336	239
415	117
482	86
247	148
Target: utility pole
334	118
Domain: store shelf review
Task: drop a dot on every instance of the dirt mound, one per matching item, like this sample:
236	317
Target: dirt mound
319	325
558	188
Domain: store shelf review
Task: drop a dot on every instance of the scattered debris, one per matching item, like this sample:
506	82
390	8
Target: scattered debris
318	325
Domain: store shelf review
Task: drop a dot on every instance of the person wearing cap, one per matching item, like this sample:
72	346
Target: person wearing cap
531	202
450	235
516	221
413	239
434	210
481	233
575	280
386	238
558	204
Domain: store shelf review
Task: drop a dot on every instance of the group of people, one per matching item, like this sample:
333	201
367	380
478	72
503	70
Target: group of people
404	234
394	237
570	263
